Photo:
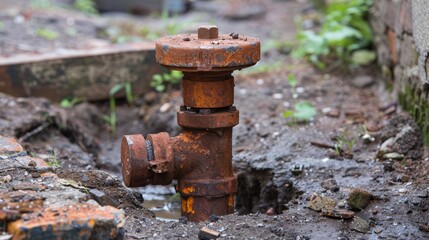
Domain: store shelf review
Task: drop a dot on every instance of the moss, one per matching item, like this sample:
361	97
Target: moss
359	198
415	103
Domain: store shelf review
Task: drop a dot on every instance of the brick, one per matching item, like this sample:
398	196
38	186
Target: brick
9	146
77	221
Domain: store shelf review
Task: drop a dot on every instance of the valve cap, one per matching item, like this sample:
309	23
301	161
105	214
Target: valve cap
134	161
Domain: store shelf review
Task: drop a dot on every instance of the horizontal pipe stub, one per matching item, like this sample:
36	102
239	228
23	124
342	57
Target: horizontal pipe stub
148	161
134	161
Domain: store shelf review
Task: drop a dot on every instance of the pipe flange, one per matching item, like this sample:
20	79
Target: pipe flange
208	187
214	120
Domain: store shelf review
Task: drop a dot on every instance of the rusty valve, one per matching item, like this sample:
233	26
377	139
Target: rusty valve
200	158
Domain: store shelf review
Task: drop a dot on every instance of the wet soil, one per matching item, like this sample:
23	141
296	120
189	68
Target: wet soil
281	163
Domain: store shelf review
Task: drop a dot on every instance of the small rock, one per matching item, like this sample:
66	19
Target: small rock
388	166
338	213
35	175
319	203
235	36
424	227
362	81
32	163
186	39
360	225
7	179
393	156
359	198
183	220
368	138
270	212
207	233
330	184
102	198
401	178
333	113
378	229
214	218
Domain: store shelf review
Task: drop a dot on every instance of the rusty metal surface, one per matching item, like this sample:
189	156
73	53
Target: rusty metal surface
214	92
162	165
214	120
200	158
187	52
134	162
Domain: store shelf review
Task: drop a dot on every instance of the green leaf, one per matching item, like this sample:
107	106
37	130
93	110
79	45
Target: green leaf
116	89
288	114
47	34
291	79
363	57
304	111
176	74
157	78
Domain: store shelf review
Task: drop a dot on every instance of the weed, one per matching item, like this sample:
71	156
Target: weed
303	111
161	82
47	33
111	119
344	140
291	79
53	161
342	36
1	25
86	6
70	102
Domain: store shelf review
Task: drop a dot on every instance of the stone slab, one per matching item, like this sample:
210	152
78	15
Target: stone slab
88	74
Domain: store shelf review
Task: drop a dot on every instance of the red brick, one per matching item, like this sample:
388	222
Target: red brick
78	221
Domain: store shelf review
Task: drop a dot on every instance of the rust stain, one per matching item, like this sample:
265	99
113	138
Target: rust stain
188	205
231	200
188	190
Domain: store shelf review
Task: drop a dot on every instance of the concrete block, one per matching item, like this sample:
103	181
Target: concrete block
89	74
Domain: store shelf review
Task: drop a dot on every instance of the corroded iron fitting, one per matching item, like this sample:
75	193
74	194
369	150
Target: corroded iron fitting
200	158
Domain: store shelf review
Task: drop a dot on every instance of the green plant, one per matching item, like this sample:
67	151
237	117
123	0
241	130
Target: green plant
47	33
86	6
344	33
111	119
53	161
70	102
161	81
1	25
291	79
303	111
345	140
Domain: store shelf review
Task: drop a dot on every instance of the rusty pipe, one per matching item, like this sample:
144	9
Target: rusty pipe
200	158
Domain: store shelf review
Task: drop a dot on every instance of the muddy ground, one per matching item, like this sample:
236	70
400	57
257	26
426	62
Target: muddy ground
281	163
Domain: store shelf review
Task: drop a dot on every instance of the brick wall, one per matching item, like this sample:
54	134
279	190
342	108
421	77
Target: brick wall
401	29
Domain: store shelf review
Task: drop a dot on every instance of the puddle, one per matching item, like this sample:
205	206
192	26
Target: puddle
162	201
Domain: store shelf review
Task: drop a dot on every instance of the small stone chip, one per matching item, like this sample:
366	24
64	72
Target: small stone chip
207	233
235	36
359	198
338	213
319	203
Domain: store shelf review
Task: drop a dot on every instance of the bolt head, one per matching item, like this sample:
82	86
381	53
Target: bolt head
208	32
